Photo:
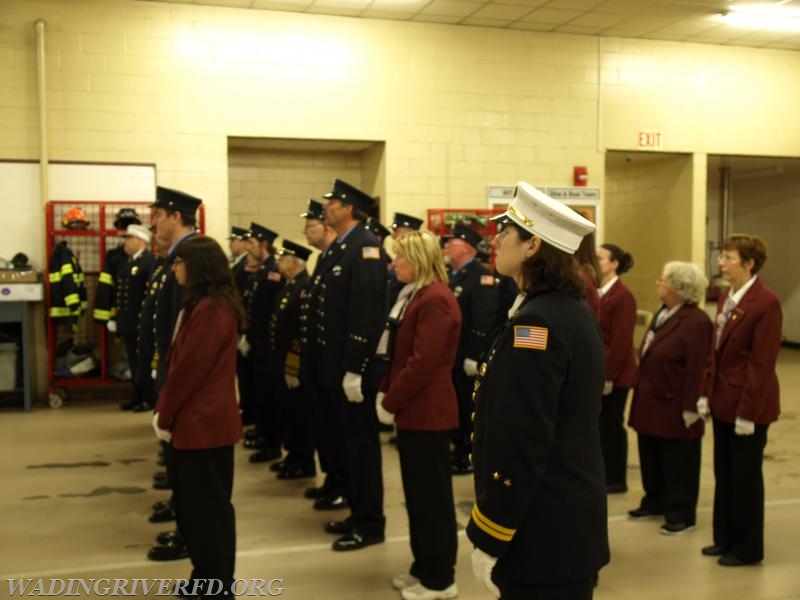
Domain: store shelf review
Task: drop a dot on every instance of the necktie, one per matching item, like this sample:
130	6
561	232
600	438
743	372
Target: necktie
661	318
722	319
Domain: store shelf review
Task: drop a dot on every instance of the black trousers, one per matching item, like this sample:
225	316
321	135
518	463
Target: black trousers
670	476
428	490
362	444
328	412
297	437
580	590
264	391
244	375
203	487
132	354
462	436
739	491
614	437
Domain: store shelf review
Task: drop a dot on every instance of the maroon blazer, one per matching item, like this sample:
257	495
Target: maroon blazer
617	321
740	378
590	292
419	385
198	401
669	375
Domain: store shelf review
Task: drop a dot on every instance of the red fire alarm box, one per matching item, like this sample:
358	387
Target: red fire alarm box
580	176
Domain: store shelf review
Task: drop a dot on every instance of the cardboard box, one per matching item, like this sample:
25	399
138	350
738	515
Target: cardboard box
15	276
21	292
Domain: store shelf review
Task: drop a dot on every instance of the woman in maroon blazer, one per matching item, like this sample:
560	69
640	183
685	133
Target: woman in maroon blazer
197	409
671	362
419	392
617	321
740	390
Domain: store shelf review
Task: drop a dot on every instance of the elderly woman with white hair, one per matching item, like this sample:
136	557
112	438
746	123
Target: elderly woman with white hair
663	411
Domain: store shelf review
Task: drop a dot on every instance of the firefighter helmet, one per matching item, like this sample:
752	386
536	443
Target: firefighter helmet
75	219
125	217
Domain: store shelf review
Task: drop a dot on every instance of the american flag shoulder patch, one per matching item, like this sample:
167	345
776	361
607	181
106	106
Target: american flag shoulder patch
370	252
273	276
487	280
533	338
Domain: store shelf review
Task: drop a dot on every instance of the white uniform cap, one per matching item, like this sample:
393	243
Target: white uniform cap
552	220
138	231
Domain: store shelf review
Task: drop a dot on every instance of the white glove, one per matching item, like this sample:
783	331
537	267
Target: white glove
702	408
607	387
351	384
243	345
690	418
482	566
292	382
470	367
384	416
163	434
111	326
744	427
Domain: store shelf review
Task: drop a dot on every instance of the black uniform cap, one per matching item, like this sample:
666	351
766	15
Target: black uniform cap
261	233
292	249
238	233
466	233
315	210
377	228
175	200
403	220
350	195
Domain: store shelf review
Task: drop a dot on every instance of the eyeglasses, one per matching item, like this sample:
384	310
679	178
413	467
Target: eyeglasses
727	258
178	261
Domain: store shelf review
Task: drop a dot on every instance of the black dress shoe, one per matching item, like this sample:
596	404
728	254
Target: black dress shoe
278	466
616	488
644	513
162	505
729	560
161	483
251	434
168	552
161	461
385	427
128	405
461	468
159	475
167	538
355	541
256	443
331	503
297	472
313	493
338	527
265	455
142	407
713	550
162	516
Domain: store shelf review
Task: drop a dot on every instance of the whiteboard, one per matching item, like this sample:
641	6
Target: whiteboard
22	220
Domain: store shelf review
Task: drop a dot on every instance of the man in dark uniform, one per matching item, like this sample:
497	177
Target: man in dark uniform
132	279
475	288
174	219
237	242
331	494
263	287
350	312
539	522
403	223
284	342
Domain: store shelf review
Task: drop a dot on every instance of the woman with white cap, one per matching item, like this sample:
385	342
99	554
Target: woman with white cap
539	520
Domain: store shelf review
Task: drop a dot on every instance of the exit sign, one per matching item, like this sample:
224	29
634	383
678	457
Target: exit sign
650	139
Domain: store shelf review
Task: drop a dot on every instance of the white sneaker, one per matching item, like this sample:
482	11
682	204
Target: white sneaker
420	592
403	581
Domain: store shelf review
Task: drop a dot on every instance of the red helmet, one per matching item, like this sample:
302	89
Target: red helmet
75	219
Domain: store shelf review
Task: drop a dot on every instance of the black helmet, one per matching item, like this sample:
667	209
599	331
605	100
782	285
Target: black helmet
125	217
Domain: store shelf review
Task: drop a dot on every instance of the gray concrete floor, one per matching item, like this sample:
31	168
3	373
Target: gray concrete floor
76	495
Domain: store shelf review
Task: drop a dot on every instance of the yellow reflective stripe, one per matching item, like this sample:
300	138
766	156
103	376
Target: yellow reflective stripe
55	277
66	269
106	278
58	311
71	299
504	534
79	278
101	315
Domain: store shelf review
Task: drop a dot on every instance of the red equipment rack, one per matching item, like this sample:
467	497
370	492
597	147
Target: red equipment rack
441	221
89	246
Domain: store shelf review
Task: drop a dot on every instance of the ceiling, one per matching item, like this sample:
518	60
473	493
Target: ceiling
675	20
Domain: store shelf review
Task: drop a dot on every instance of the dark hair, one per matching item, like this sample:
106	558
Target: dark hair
208	275
550	269
586	257
749	247
187	220
624	260
359	215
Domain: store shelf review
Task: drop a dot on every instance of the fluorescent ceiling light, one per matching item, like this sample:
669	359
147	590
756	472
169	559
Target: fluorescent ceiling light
769	16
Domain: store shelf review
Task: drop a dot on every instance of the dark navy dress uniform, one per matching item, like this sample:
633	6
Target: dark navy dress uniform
349	318
540	504
475	289
146	340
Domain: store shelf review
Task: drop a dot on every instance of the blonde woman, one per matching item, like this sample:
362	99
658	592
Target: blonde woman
420	344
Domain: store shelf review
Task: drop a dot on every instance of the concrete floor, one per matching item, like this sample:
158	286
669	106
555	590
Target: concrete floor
76	495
